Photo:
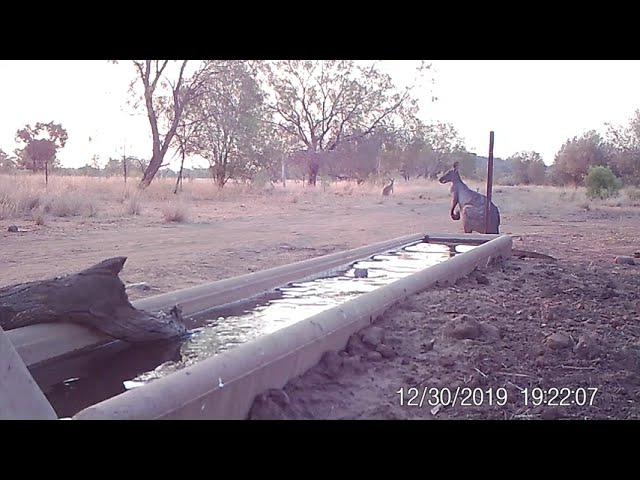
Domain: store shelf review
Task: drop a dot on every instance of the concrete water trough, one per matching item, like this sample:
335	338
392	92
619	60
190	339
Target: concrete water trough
224	385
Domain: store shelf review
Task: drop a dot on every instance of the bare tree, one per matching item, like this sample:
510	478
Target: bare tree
165	101
183	139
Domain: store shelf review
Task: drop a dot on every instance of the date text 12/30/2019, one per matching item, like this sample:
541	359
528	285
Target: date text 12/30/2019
477	397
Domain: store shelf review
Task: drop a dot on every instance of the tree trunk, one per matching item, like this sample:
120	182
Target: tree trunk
151	170
95	298
124	167
284	175
179	180
314	168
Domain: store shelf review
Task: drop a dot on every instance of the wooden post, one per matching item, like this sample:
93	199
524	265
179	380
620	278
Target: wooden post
489	183
124	162
284	175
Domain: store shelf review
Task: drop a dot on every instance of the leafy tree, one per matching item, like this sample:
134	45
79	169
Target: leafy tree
528	168
577	155
7	163
324	103
624	143
229	114
41	144
445	143
466	163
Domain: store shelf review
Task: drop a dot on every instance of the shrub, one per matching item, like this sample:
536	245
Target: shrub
602	183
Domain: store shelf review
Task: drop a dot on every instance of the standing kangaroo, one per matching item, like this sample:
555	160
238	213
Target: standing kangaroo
472	204
388	189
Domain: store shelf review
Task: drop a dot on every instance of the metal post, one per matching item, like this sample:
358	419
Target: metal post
489	183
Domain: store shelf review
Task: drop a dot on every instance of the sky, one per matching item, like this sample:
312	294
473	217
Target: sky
529	104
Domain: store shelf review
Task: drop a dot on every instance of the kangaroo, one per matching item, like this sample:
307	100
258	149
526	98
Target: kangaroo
388	189
471	204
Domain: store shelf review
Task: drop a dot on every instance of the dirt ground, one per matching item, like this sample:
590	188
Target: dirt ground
525	323
486	348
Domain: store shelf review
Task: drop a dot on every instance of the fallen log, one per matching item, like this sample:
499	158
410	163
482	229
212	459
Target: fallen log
95	298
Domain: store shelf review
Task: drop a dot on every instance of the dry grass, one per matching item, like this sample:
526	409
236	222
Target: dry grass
133	202
175	211
39	215
632	194
27	197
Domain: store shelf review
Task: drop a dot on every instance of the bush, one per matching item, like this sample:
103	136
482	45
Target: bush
602	183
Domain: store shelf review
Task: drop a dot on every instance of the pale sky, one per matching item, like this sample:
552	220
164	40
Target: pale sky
530	105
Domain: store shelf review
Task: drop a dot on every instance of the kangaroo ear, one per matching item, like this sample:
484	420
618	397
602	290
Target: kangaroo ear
455	166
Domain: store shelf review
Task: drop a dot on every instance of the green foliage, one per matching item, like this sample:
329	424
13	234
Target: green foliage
601	182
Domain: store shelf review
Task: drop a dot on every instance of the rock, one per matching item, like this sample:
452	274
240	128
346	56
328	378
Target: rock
624	260
490	331
558	341
482	279
586	347
463	327
12	228
355	346
332	363
428	346
361	273
374	356
372	336
354	363
386	351
636	254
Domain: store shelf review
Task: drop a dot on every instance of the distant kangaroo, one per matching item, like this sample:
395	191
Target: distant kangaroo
472	205
388	189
